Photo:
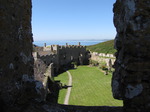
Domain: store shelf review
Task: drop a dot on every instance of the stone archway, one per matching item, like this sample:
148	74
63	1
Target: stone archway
131	77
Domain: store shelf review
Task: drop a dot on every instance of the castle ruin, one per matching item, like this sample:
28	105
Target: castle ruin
20	92
63	56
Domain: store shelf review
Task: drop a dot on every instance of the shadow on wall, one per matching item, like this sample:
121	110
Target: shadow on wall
63	56
131	78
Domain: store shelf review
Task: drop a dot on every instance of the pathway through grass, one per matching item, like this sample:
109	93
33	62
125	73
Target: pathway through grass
91	88
66	101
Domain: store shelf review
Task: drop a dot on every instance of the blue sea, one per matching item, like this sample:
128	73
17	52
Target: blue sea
70	42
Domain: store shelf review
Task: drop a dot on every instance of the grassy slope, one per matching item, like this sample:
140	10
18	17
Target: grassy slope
64	80
104	47
90	88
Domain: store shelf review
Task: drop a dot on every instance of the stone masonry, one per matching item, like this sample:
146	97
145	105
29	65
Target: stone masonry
49	61
109	59
15	50
17	85
131	79
19	92
62	56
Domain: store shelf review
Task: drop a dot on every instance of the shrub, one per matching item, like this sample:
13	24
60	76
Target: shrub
103	67
75	64
94	63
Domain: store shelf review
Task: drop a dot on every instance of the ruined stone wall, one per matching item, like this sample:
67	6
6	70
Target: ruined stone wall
18	89
62	56
49	59
17	85
131	79
72	53
109	59
103	60
39	70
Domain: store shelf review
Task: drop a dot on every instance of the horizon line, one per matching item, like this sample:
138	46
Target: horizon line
74	39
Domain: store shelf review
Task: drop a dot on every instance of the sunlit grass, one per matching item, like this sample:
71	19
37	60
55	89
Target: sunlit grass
90	87
64	80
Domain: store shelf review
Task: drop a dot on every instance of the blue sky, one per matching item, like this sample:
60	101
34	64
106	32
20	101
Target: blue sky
72	19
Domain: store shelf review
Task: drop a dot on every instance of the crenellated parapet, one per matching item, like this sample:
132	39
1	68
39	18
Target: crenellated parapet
64	47
62	55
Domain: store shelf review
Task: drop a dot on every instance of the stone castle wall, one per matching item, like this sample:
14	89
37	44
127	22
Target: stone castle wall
62	56
16	61
53	60
131	79
78	54
18	89
109	59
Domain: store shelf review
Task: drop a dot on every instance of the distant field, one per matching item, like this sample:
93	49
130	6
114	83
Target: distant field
104	47
91	88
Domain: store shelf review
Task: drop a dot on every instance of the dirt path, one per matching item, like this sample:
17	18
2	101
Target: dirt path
66	101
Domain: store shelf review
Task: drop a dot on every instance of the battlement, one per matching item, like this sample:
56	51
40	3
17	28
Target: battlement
130	80
55	48
51	48
62	55
71	46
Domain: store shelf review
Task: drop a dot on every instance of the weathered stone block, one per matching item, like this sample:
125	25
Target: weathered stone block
132	21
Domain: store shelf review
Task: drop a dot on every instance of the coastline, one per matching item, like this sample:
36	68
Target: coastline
70	42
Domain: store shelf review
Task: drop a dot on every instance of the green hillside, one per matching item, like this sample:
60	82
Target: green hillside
104	47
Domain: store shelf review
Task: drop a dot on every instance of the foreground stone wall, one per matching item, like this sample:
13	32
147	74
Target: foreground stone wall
131	79
18	89
17	86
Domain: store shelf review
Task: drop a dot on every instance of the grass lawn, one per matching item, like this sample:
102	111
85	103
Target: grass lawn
64	80
91	88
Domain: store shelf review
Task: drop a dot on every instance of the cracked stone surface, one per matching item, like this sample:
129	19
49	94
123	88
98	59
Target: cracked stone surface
130	80
19	92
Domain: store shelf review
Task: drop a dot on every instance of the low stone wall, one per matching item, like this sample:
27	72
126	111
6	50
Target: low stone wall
109	59
103	55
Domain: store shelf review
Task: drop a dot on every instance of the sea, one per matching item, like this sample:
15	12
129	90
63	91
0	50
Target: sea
70	42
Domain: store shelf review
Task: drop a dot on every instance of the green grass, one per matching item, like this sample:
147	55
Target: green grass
64	80
104	47
90	87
